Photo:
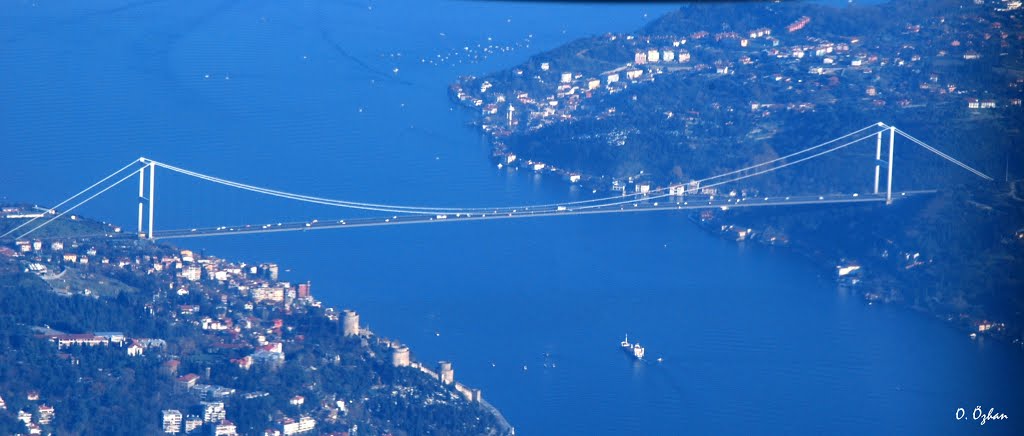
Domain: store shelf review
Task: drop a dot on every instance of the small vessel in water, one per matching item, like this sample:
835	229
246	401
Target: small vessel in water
635	350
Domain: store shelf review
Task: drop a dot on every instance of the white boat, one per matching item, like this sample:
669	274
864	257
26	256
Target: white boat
635	350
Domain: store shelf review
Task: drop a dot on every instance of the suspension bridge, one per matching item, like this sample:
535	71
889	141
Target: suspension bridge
696	194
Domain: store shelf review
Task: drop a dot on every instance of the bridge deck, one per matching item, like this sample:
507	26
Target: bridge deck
640	205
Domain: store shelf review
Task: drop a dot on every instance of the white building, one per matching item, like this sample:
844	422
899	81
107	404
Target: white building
135	350
172	421
192	422
225	428
46	414
213	411
192	273
291	426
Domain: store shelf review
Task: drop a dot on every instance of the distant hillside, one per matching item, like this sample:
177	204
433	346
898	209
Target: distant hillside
713	87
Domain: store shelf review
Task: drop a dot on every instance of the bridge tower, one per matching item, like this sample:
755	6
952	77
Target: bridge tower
144	200
888	164
892	145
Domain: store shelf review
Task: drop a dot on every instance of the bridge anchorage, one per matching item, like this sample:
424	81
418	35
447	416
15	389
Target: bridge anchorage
688	196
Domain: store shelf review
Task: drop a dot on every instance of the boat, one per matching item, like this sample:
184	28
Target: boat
635	350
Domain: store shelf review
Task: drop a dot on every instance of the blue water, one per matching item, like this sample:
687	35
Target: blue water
303	96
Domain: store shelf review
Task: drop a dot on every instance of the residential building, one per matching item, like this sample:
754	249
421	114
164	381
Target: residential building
224	428
213	411
46	413
135	349
172	421
187	381
64	341
291	426
192	423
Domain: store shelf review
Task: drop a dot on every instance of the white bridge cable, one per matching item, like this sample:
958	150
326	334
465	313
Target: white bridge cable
304	198
943	155
878	125
130	175
371	206
444	210
747	176
108	177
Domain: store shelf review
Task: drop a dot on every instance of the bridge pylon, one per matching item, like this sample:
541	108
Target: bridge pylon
892	147
144	200
888	163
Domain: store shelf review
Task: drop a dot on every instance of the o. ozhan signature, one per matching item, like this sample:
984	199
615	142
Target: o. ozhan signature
980	415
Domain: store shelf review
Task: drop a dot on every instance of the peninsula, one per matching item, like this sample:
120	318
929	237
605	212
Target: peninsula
111	334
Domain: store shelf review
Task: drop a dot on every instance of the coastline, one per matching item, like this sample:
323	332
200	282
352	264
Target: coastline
870	290
558	108
241	319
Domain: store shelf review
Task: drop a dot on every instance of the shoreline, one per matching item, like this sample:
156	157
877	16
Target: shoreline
253	288
873	293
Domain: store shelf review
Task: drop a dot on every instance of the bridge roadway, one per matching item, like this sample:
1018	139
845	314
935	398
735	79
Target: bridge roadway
641	204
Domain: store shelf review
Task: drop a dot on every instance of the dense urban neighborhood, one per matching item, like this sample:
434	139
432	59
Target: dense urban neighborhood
172	341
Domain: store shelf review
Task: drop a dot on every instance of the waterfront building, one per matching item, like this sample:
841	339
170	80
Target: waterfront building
472	395
350	323
445	372
400	355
